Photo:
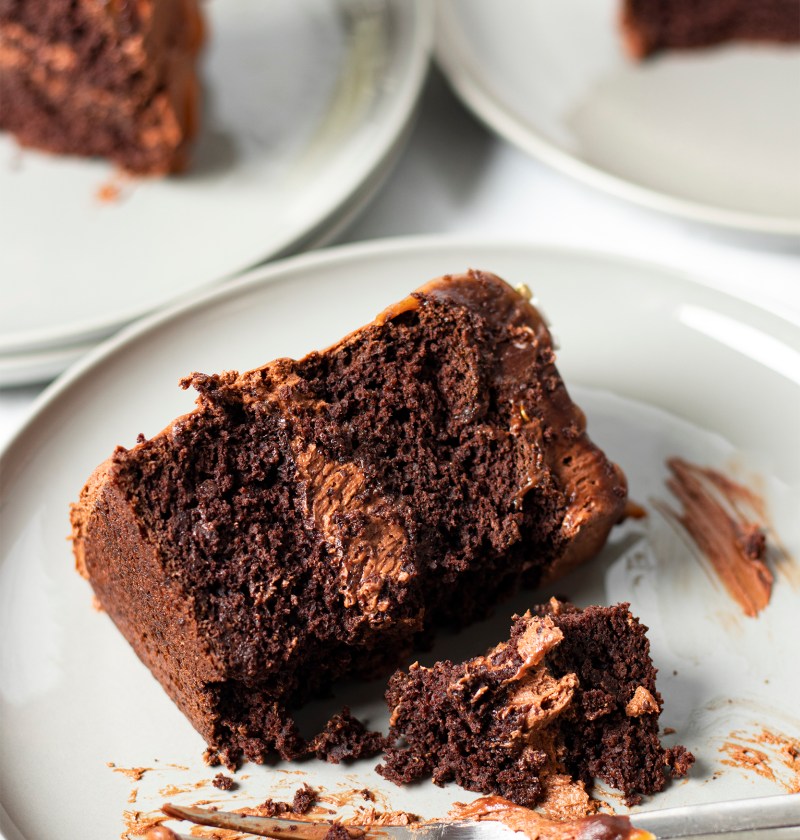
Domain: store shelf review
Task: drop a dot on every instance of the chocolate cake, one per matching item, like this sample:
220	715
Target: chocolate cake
311	519
102	78
652	25
571	696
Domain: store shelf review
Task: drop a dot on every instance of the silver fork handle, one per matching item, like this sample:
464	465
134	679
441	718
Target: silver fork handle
766	813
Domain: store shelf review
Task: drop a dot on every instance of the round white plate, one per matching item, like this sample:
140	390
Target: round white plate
710	135
663	367
305	103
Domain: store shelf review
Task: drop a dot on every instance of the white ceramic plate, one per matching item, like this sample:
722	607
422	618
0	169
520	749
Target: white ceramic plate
710	135
43	365
305	104
663	366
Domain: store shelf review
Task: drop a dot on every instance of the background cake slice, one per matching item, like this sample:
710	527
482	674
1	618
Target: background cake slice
102	78
311	518
570	697
652	25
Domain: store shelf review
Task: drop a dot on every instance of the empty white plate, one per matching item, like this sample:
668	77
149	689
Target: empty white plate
710	135
662	365
305	104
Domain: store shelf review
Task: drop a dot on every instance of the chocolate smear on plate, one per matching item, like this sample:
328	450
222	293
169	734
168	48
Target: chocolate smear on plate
719	515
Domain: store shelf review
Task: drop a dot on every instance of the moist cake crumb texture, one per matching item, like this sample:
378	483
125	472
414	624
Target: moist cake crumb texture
107	79
311	519
304	799
223	782
570	697
345	738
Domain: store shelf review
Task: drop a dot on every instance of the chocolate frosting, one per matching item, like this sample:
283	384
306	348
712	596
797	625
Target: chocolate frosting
715	517
596	489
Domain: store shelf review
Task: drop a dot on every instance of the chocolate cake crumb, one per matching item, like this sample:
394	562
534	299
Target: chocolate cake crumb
304	799
211	757
337	832
367	794
678	761
345	738
271	808
669	730
555	702
223	782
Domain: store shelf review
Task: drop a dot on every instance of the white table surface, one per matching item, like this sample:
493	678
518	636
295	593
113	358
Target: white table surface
456	177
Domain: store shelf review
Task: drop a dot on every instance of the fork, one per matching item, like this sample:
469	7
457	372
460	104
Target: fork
776	817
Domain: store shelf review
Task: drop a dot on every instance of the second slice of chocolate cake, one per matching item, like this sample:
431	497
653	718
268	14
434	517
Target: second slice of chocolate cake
570	697
310	518
650	26
103	78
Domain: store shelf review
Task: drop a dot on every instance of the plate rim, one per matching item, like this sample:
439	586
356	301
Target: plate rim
43	365
505	123
395	128
282	269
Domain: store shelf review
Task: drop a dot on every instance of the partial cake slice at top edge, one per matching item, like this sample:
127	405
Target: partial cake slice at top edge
570	697
310	519
101	79
650	26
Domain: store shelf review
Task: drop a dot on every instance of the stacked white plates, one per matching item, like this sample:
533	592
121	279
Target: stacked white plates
307	104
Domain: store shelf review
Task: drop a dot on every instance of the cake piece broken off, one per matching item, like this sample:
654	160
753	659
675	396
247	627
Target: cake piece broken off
570	697
99	78
311	518
652	25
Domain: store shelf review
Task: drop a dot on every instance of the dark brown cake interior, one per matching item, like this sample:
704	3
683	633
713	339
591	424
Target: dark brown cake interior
312	519
653	25
522	721
608	650
410	416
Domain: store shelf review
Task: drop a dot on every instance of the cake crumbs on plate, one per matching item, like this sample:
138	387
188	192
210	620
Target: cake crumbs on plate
304	799
770	754
273	808
337	832
211	757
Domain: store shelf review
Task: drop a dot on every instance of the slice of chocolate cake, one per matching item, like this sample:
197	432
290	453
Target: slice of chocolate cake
102	78
652	25
571	696
310	518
